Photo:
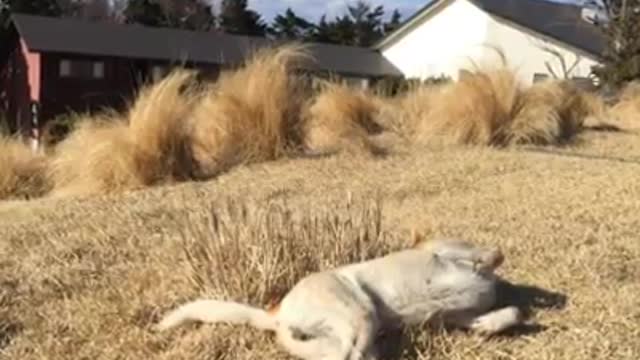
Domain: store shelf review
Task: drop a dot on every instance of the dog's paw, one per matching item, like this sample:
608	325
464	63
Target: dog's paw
497	321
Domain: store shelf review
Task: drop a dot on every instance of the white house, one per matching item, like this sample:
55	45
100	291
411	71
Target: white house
539	38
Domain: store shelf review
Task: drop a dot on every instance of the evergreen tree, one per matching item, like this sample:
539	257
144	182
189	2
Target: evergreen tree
144	12
393	23
290	26
621	59
362	25
321	32
366	22
34	7
188	14
236	18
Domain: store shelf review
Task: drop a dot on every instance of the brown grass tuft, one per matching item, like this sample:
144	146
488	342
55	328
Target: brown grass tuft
250	114
22	172
264	269
626	110
97	157
147	146
404	114
341	118
473	110
158	127
551	112
491	107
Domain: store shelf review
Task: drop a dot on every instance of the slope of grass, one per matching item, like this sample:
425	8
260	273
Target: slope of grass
86	278
22	172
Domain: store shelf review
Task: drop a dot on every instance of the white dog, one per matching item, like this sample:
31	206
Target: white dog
336	314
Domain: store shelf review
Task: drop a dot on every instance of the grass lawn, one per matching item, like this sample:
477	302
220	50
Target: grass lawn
86	278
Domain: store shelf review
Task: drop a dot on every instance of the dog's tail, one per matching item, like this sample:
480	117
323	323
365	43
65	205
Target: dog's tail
214	311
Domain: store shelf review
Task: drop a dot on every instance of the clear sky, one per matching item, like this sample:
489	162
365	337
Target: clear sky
313	9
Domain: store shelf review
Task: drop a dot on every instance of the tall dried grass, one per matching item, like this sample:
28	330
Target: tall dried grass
250	114
492	107
551	112
340	118
148	145
473	110
22	172
626	109
97	157
263	269
158	127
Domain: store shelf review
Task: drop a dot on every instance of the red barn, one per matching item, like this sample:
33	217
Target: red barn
54	65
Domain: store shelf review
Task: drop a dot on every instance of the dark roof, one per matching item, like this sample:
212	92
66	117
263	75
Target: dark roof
560	21
65	35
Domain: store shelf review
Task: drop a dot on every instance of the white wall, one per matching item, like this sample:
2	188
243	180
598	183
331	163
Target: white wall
456	31
443	41
525	52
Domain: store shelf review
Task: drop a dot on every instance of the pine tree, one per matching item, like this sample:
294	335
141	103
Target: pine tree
367	23
290	26
188	14
393	23
145	12
362	25
321	32
621	59
236	18
34	7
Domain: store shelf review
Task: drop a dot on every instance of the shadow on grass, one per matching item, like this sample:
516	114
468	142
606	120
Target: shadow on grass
8	331
398	344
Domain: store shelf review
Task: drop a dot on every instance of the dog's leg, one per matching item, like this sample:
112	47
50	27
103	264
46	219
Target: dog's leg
489	323
497	321
366	330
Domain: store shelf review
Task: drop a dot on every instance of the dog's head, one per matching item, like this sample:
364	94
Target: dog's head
483	259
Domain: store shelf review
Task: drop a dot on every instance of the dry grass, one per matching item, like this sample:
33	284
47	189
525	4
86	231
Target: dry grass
491	107
178	130
473	110
113	152
97	157
250	114
341	118
626	110
22	172
158	127
552	112
86	278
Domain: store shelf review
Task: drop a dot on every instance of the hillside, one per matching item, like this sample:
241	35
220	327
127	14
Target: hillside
86	278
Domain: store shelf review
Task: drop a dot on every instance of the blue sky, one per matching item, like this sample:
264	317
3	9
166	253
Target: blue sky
313	9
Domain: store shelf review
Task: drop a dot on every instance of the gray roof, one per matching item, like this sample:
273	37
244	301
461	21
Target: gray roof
65	35
560	21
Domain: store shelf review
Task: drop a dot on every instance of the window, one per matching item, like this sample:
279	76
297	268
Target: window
81	69
65	68
538	77
356	82
98	69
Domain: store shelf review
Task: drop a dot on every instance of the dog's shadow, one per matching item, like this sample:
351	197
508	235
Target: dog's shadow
525	297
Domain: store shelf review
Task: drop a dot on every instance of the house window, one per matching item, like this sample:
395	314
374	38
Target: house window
65	68
538	77
357	82
98	69
81	69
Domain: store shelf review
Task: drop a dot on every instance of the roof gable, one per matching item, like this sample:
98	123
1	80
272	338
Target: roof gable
64	35
559	21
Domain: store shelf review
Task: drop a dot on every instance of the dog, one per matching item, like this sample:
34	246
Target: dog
337	314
